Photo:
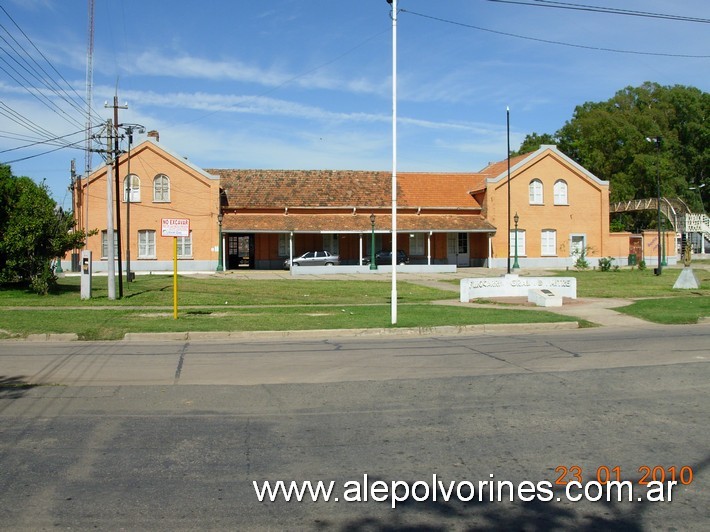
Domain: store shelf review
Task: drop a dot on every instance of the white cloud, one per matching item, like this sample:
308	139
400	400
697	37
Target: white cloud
265	106
152	63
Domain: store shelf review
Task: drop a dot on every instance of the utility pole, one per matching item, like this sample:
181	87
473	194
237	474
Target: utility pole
117	153
72	188
110	254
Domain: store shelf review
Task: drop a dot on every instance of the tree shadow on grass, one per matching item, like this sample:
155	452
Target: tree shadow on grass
13	387
134	294
60	289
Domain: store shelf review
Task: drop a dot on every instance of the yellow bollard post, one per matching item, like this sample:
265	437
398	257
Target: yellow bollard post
175	283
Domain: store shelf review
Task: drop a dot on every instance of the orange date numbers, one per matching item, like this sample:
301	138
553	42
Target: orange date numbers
604	474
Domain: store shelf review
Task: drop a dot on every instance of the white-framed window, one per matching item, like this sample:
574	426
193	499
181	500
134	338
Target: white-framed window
104	244
417	244
161	189
535	191
560	192
548	243
283	244
331	243
146	244
184	247
132	185
521	243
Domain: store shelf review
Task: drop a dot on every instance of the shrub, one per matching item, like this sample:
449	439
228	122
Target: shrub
605	264
581	263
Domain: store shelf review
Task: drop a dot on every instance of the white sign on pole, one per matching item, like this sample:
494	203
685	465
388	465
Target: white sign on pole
175	227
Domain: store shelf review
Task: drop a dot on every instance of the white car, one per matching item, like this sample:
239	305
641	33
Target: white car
314	258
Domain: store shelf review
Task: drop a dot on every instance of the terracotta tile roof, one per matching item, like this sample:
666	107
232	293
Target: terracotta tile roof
437	189
264	189
256	189
358	223
497	168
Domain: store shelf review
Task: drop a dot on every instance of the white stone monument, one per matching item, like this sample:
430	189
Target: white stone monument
512	285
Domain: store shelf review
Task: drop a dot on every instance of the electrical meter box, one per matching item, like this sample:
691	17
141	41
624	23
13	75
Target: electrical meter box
86	272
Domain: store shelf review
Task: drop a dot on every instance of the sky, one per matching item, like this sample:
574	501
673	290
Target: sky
307	84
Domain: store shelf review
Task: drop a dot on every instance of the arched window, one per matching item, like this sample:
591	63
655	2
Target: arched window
535	190
132	185
161	188
560	191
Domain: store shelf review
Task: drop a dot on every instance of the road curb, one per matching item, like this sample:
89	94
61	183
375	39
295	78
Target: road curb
445	330
52	337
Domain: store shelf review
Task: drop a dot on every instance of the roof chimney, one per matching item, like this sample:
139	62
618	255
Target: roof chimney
153	134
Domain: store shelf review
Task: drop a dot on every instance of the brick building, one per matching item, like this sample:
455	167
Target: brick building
268	216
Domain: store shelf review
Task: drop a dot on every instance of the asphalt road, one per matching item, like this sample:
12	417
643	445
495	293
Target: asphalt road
171	436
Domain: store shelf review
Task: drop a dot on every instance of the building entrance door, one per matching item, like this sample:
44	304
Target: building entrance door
577	245
457	249
636	248
240	251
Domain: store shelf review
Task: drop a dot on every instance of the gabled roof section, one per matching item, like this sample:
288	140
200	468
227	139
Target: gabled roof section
496	169
256	189
520	161
150	144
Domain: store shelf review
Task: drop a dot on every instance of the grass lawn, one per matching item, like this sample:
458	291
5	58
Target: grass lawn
627	283
230	304
112	324
670	310
157	290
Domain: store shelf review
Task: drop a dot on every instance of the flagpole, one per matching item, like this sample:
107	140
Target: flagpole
394	162
507	127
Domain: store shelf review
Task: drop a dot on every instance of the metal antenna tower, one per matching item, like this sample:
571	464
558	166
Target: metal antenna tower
89	97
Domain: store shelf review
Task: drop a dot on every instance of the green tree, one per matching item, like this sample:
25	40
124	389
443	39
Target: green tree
532	142
33	232
611	140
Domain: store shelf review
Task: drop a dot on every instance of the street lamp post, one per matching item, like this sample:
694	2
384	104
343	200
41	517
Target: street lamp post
60	214
699	188
129	128
516	219
373	263
220	265
657	140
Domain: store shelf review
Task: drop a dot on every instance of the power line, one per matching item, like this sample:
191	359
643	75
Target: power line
45	59
44	83
558	43
72	145
23	121
608	10
43	98
47	141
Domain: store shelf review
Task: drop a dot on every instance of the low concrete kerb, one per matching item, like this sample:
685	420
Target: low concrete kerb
52	337
321	333
444	330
